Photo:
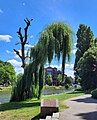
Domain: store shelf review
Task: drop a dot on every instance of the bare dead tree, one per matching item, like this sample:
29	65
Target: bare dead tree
23	41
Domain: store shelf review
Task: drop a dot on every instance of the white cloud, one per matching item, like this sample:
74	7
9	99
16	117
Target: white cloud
7	51
1	11
75	44
29	46
69	70
74	51
16	65
58	67
24	4
16	56
5	38
31	36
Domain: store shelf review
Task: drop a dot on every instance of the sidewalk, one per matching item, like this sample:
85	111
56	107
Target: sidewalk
80	108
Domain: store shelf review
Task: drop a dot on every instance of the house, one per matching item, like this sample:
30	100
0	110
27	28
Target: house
54	73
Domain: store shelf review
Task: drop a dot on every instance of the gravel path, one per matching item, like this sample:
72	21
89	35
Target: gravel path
80	108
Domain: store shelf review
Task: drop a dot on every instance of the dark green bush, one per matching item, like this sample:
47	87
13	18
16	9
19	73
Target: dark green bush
78	89
67	86
94	93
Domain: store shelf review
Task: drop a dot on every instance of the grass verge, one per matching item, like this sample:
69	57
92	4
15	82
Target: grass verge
5	89
27	110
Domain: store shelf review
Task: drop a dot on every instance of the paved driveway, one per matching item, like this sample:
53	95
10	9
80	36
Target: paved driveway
80	108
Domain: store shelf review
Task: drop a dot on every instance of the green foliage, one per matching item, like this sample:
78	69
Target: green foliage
94	93
56	39
20	110
87	69
49	79
28	109
52	88
68	80
85	38
59	78
19	76
7	73
26	86
95	42
67	86
41	80
6	89
84	42
79	88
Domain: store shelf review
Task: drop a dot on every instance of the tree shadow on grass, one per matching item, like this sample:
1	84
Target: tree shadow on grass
18	105
37	117
88	116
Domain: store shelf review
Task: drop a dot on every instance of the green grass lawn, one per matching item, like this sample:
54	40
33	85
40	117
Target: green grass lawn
27	110
8	89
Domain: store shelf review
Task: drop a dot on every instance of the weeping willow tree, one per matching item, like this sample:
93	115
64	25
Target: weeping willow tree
55	40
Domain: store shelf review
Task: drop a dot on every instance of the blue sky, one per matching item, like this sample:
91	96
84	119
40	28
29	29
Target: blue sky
43	12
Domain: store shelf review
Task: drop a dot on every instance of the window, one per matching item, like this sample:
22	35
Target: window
49	73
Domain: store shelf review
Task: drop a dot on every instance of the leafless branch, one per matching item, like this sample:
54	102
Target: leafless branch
17	52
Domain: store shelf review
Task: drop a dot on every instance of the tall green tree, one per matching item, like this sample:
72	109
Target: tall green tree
84	42
87	69
57	38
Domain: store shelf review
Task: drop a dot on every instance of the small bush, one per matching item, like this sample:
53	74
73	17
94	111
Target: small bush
79	88
67	86
94	93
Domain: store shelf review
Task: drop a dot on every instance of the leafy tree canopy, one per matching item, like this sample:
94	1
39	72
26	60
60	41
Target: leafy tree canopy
68	80
19	76
7	73
84	42
56	39
87	69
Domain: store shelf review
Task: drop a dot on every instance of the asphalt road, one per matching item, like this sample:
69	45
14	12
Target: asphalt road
80	108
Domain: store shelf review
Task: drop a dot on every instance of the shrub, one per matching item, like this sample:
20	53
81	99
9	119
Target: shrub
67	86
94	93
79	88
68	80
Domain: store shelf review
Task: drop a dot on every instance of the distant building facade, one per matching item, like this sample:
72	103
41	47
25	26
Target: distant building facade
54	73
